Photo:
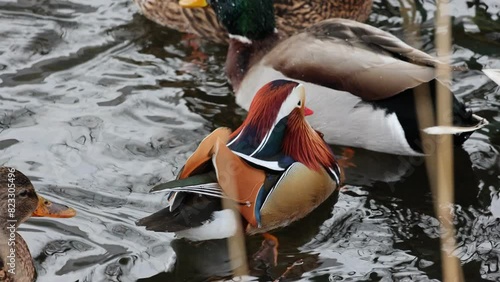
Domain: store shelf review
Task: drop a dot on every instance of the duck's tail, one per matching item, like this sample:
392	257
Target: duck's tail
191	201
464	121
478	122
195	210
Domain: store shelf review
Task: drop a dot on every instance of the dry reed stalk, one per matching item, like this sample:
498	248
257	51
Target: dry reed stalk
236	243
438	149
451	267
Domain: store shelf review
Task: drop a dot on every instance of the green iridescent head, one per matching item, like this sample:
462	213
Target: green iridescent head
253	19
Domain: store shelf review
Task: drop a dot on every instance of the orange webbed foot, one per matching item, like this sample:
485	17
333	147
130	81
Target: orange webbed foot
268	252
347	155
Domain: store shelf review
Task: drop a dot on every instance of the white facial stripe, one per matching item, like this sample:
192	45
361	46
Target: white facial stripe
337	179
272	165
172	201
263	143
236	138
241	39
290	103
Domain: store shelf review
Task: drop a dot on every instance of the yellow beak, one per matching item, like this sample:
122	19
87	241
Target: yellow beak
46	208
193	3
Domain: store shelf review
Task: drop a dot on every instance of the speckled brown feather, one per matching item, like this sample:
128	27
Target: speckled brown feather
202	22
291	15
307	13
24	268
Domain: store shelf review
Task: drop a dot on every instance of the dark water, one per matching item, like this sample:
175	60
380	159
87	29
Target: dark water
97	104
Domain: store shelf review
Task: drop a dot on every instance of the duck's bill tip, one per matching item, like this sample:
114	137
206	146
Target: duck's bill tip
47	208
193	3
308	112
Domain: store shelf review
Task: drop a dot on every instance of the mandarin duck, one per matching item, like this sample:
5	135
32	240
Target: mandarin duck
275	167
291	15
19	201
361	81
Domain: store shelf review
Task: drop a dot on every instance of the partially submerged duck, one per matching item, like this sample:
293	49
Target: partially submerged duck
360	80
275	167
18	202
291	15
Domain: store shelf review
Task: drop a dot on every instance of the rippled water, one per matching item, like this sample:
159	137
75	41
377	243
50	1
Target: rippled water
97	104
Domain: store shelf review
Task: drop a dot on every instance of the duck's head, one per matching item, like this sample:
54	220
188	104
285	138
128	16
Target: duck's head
276	122
275	101
19	201
244	19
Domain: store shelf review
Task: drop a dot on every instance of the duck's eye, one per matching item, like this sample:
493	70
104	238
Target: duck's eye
23	193
299	103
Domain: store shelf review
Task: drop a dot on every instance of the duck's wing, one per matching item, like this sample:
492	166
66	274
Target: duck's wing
204	152
205	184
197	164
354	57
194	211
186	209
267	153
239	181
233	179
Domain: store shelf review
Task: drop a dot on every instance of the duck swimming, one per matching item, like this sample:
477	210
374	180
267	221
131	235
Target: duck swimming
19	201
360	80
291	15
275	167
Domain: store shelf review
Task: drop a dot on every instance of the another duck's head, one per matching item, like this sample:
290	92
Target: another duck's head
19	201
276	123
245	19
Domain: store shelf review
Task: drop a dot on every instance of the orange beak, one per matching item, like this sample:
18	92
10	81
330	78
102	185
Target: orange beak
46	208
193	3
307	111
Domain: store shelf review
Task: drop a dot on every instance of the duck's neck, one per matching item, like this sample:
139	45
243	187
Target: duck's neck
244	53
15	255
306	145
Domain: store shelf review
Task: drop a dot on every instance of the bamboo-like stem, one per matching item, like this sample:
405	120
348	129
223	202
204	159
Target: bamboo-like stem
439	149
423	100
451	267
236	243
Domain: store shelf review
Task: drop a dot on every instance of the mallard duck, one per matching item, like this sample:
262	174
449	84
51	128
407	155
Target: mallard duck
291	15
275	166
19	201
360	79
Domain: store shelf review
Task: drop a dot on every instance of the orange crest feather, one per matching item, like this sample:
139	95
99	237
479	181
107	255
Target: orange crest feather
265	106
305	145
